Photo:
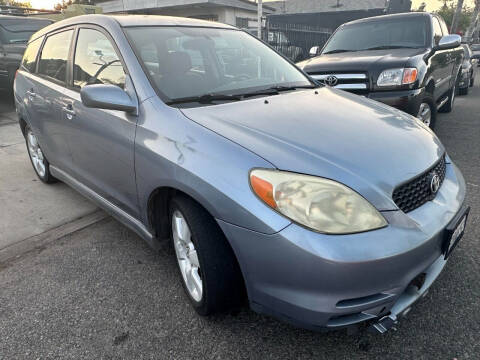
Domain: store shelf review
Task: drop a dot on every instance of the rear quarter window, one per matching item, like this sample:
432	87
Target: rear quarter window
29	60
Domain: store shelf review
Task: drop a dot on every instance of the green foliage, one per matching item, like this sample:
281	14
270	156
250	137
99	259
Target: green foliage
447	11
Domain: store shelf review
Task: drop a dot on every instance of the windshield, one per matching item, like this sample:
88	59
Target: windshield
14	33
380	34
185	62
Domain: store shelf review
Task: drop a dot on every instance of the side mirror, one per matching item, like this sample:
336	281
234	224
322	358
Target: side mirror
314	51
449	42
109	97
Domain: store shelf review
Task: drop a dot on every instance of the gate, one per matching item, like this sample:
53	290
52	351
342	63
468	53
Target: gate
295	40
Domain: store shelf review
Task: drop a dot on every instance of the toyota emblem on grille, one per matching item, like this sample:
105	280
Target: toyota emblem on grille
434	183
331	80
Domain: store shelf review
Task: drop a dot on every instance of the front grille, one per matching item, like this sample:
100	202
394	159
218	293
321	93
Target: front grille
357	83
417	191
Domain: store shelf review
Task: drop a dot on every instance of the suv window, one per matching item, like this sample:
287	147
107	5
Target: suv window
30	57
53	59
437	30
96	61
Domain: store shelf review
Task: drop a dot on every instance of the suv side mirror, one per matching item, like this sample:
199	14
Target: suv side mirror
314	51
109	97
449	42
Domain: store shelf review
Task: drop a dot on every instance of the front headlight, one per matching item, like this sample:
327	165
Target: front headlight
320	204
396	77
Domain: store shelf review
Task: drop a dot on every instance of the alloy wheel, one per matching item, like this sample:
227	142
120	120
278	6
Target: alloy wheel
187	256
36	154
425	114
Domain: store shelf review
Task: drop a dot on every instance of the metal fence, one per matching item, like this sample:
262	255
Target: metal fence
295	40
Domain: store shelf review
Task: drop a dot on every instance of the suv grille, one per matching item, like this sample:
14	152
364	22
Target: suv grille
357	83
417	191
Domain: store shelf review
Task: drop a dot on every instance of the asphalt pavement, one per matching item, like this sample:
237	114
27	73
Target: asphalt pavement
101	292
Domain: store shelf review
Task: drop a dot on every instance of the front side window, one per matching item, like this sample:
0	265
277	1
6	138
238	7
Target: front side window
53	59
379	34
96	61
30	57
437	31
187	62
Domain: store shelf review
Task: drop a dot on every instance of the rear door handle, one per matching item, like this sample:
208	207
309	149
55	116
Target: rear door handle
69	112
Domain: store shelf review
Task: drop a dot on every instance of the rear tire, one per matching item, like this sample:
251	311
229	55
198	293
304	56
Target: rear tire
464	91
452	94
208	267
472	81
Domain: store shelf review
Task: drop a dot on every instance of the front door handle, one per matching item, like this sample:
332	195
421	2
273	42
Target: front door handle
31	94
69	112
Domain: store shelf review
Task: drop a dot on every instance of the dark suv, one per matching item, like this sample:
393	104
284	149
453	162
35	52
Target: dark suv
408	61
15	31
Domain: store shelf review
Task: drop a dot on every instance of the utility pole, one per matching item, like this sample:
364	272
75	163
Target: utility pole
456	16
259	16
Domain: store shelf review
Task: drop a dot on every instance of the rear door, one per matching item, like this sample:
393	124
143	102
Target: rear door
101	141
48	93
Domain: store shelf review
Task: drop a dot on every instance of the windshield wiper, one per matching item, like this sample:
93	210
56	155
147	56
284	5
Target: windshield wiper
336	51
387	47
205	99
275	90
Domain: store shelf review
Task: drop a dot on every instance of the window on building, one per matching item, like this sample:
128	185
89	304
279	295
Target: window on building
53	59
241	22
96	61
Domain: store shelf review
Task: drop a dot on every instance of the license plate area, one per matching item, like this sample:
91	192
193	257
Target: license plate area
454	231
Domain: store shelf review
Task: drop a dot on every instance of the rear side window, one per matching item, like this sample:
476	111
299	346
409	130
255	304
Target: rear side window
96	61
53	59
30	57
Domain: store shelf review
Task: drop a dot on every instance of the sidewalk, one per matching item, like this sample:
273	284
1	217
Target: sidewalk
27	206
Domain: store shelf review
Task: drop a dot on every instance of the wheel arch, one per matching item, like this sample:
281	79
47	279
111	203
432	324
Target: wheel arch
158	216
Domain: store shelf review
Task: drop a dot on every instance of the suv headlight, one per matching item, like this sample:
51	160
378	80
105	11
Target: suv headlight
320	204
397	77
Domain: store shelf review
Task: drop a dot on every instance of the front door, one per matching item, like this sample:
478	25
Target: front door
101	141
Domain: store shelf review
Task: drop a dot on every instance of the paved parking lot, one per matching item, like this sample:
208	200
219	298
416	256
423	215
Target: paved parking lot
102	293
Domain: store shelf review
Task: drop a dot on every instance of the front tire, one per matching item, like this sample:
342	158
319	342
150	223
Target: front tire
209	270
39	161
427	112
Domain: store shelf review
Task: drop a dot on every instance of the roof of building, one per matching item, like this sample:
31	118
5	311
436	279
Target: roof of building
109	6
316	6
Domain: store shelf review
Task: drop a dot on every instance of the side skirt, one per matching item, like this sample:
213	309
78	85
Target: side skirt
106	205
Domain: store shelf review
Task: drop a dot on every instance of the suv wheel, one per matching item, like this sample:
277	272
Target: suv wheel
39	161
427	112
209	270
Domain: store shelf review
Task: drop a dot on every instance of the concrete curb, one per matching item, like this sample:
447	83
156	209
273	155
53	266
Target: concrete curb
16	250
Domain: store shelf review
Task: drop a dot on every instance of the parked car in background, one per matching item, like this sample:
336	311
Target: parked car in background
15	31
408	61
323	208
476	52
468	71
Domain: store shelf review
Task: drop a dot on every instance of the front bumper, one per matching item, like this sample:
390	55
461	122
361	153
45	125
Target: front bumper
319	281
406	100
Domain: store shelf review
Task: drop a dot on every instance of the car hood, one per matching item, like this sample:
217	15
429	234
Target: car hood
363	144
367	61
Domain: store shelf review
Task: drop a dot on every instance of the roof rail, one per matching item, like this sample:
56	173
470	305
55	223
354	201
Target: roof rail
24	11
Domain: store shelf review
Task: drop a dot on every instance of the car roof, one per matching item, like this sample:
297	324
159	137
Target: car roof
131	20
392	16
